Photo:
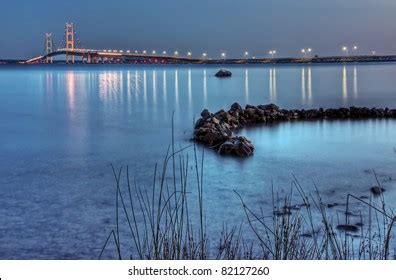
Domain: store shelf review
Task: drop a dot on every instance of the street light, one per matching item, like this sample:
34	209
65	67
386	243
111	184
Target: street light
189	54
345	49
246	54
204	55
144	52
154	52
355	49
223	55
176	53
136	51
164	52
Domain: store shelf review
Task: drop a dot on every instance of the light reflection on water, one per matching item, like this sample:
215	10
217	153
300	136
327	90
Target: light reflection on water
62	127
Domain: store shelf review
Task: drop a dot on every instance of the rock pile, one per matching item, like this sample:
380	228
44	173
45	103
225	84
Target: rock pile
216	130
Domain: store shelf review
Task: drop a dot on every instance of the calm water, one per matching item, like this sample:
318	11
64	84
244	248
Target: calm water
61	128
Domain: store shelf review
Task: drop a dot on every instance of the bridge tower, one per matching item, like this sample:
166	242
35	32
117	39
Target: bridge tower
69	31
49	46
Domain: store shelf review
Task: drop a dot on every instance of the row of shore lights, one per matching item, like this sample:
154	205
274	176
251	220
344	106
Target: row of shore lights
305	52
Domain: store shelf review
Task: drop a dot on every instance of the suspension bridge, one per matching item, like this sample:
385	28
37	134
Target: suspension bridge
72	49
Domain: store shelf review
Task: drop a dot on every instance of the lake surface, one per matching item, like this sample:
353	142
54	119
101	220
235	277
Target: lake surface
62	126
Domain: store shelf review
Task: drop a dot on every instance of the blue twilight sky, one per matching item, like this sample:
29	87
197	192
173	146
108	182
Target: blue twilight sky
212	26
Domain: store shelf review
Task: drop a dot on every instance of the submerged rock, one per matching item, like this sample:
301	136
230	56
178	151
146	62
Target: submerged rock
377	190
306	235
348	228
222	73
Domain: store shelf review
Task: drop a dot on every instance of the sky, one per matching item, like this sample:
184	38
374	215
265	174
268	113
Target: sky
211	26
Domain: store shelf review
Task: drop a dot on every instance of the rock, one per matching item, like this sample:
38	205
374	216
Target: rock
250	113
236	107
269	107
210	136
377	190
215	120
205	114
222	73
237	146
348	228
199	123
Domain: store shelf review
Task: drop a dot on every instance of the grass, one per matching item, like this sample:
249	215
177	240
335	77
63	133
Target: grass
164	225
290	233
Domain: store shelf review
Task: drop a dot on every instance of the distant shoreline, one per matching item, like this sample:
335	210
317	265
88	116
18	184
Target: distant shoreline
291	60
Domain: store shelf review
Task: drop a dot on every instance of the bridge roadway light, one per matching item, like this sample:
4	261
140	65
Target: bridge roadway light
176	53
309	50
223	55
154	52
189	54
136	51
164	52
144	52
303	51
204	55
246	54
128	51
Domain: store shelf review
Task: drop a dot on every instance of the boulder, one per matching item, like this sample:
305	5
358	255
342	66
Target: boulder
237	146
211	135
222	73
236	107
205	114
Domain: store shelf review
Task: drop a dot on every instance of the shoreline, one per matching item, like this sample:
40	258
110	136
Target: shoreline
232	61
